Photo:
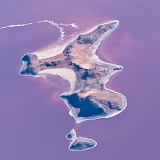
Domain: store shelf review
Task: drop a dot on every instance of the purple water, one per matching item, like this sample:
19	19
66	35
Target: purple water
34	121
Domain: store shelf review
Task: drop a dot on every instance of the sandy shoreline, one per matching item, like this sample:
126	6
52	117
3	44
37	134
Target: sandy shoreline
70	75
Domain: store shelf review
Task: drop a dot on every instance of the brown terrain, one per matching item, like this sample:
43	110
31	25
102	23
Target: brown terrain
89	99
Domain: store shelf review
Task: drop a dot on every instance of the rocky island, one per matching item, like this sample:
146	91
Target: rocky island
79	143
77	62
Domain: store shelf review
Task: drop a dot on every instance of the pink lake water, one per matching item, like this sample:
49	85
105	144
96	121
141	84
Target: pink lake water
34	121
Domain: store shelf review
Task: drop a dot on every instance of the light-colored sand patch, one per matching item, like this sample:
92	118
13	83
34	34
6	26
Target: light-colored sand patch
67	74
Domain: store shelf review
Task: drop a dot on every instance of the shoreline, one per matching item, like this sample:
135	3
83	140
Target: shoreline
71	76
77	62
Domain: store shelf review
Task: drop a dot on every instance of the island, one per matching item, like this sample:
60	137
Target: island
77	62
80	143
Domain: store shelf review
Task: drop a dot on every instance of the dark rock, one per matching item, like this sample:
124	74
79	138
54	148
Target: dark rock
83	39
113	106
120	68
87	107
28	71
